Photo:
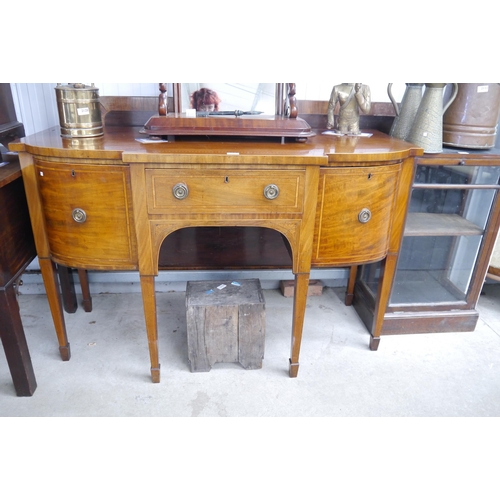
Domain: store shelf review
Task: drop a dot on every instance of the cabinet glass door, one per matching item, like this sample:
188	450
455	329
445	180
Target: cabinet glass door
448	214
449	211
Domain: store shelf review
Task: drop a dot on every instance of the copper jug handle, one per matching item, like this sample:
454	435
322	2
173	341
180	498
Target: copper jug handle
452	98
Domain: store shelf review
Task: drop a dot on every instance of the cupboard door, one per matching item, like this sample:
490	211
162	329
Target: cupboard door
87	215
353	218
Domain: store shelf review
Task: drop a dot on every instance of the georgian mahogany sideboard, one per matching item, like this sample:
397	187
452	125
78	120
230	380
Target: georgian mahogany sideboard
109	203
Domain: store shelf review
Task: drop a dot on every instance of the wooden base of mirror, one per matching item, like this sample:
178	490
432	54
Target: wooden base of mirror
174	124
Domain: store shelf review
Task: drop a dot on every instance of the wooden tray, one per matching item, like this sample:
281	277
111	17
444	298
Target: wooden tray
246	125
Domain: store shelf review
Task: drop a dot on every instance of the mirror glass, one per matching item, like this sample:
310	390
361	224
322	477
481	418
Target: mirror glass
231	96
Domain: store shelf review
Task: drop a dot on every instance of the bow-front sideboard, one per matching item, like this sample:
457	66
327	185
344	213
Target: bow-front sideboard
109	203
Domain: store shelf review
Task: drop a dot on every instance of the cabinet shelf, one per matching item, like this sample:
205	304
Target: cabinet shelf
425	224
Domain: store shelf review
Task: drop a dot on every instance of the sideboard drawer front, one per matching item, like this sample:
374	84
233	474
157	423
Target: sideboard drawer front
353	218
86	212
219	191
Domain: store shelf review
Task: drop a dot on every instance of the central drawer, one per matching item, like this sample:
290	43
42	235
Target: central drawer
224	190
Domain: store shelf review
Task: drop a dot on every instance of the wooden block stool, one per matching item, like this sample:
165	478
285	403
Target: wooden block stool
226	323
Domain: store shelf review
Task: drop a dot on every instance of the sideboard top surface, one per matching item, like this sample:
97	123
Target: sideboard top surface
122	143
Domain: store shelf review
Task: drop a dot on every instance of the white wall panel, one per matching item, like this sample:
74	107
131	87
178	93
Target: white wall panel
107	88
322	91
36	105
128	89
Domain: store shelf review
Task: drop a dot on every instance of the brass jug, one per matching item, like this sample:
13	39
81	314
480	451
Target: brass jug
471	121
405	115
427	128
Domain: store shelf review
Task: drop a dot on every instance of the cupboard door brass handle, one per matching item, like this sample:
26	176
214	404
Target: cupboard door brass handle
79	215
364	216
271	191
180	191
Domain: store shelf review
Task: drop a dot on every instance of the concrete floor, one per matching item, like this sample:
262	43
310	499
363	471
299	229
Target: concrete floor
424	375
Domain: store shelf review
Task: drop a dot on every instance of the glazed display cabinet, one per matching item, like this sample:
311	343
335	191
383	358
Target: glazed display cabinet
450	232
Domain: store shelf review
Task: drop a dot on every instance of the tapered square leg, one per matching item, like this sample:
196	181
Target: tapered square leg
293	369
374	342
84	284
299	309
349	296
149	303
49	274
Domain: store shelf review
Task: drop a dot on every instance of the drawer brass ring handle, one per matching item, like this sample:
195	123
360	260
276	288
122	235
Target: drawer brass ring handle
79	215
364	216
180	191
271	191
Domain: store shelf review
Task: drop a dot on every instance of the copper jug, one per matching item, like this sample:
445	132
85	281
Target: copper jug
471	121
405	114
427	128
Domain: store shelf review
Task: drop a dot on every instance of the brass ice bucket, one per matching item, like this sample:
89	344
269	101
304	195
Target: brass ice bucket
79	110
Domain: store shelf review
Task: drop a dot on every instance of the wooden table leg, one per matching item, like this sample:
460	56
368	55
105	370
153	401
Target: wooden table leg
68	292
15	345
67	289
349	296
84	284
299	309
149	303
387	273
49	274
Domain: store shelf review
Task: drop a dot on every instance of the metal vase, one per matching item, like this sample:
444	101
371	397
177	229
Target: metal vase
472	120
405	115
427	128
